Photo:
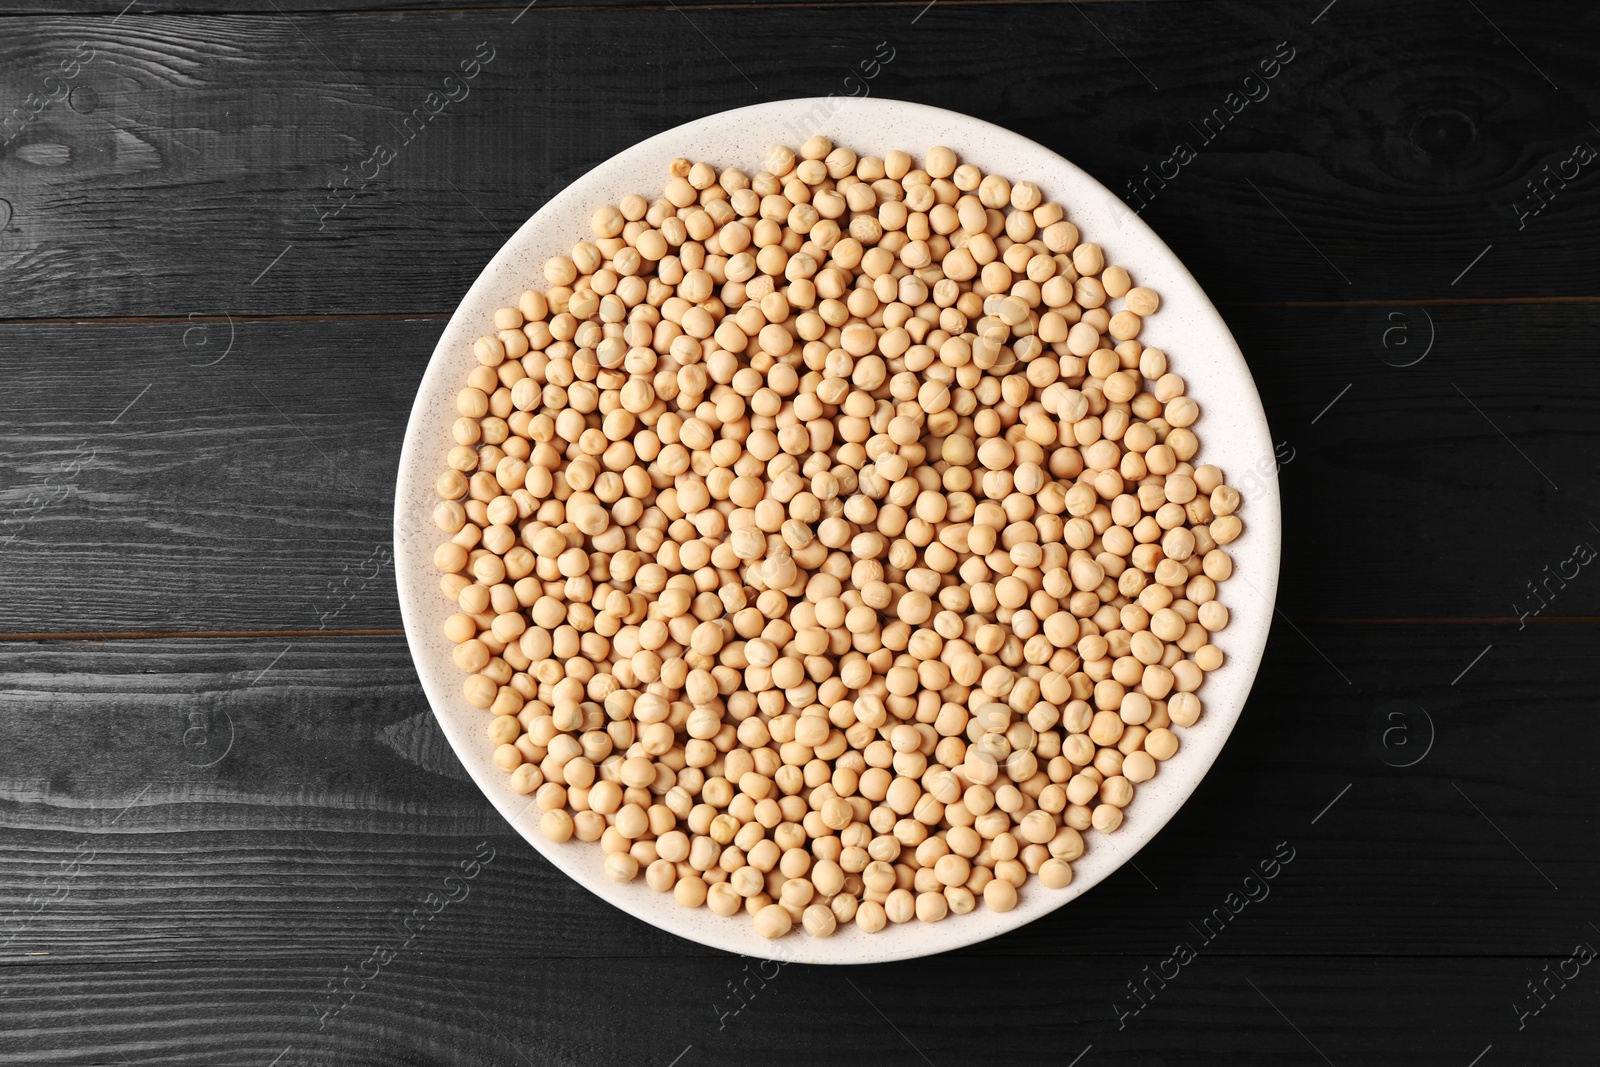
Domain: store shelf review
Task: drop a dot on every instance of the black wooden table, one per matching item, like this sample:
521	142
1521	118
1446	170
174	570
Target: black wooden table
222	788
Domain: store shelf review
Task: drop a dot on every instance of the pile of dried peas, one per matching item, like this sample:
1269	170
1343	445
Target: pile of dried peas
826	545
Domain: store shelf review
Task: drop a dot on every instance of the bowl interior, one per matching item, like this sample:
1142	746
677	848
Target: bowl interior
1233	434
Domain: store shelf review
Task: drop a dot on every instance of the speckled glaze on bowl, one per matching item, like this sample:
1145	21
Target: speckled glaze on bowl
1233	435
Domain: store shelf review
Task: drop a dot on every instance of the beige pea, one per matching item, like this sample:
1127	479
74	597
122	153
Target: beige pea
1082	339
1161	744
999	895
1124	326
1088	259
1226	529
870	917
1139	766
556	825
621	867
1082	788
819	920
1184	708
900	905
1055	873
722	900
772	922
932	907
1116	281
690	891
560	270
1106	818
1117	791
1141	301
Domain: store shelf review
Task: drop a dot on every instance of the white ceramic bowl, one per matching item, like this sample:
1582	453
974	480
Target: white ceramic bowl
1233	433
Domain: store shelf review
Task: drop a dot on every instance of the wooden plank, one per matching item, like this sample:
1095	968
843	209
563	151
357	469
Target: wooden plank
311	9
256	493
444	1007
192	171
245	799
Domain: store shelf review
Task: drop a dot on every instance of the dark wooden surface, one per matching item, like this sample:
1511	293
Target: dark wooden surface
221	780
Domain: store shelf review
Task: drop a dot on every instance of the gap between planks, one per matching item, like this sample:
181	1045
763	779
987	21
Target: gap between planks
161	635
51	960
517	5
441	316
168	320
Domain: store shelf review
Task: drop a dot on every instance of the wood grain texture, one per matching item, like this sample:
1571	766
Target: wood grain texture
204	378
443	1008
496	8
192	169
257	493
246	799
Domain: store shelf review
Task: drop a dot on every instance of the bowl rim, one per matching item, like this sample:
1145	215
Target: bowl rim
422	607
